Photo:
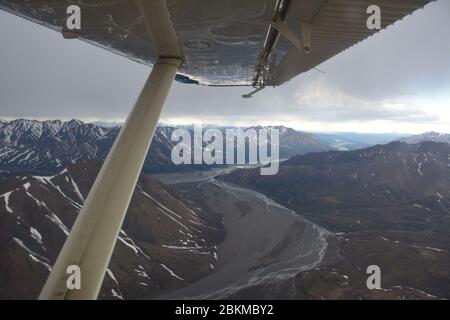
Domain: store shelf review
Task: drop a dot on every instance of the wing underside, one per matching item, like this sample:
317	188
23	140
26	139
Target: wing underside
225	43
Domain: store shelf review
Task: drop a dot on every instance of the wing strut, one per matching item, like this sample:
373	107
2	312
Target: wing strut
91	241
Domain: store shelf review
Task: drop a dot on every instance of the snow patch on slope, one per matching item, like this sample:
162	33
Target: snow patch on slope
171	272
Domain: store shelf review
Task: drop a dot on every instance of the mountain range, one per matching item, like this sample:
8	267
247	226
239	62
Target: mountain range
46	147
385	205
427	136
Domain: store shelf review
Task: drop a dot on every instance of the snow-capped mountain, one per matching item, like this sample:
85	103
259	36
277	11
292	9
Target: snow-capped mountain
46	147
166	242
428	136
49	146
292	142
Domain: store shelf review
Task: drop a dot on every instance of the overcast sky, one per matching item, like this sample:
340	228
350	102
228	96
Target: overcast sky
396	81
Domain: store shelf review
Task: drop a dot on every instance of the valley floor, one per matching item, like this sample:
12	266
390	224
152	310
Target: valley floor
272	252
265	243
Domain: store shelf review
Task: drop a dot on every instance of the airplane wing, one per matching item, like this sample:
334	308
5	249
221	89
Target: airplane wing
225	42
335	26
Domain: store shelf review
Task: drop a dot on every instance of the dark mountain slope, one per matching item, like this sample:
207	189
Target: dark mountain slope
165	242
387	205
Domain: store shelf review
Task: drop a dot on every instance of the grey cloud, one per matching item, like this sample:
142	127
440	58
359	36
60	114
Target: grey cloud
44	76
333	113
409	57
